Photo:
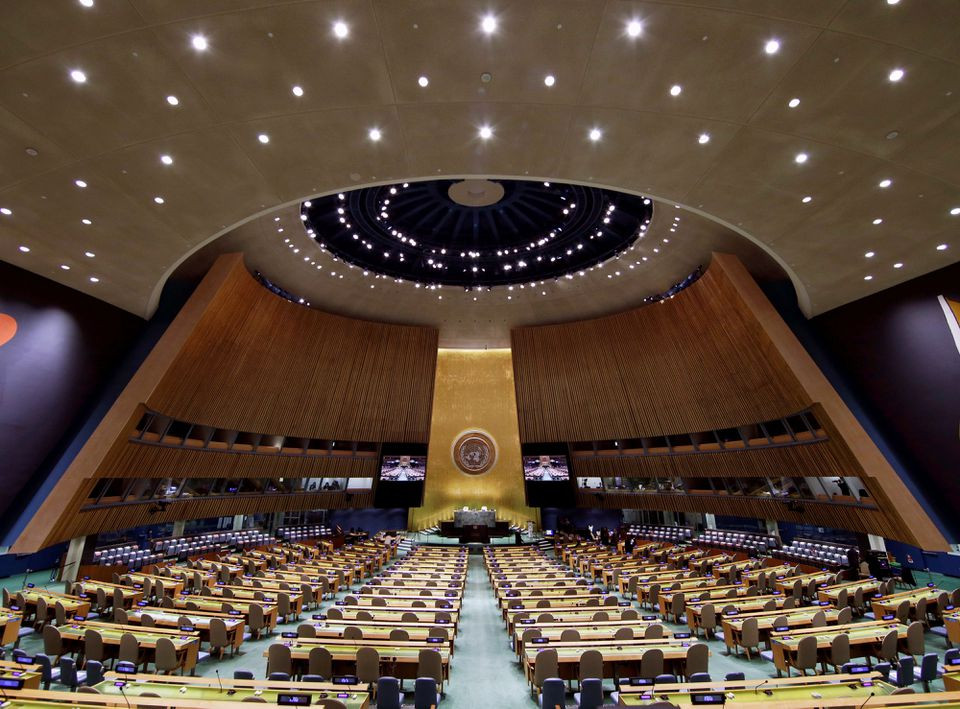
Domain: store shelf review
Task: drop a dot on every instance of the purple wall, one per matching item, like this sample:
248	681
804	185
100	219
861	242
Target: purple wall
66	347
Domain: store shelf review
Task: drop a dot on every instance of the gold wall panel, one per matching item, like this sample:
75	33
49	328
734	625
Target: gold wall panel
473	390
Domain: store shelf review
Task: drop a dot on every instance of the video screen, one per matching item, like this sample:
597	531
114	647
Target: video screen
403	468
546	468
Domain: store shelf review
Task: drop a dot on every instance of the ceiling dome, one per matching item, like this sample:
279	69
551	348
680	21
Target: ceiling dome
476	233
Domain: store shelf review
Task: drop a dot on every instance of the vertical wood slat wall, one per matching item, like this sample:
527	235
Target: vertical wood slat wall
258	362
698	362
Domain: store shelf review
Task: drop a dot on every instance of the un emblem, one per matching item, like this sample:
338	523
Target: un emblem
474	452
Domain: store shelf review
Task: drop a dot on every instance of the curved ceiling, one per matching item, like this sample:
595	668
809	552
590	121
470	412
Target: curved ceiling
82	168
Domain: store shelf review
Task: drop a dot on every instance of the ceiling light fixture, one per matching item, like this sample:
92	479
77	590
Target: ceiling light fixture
488	24
173	100
800	158
78	76
772	46
807	199
634	28
868	278
166	160
94	279
549	80
374	134
80	183
341	29
64	266
955	211
5	211
199	42
898	265
485	132
595	134
794	102
25	249
263	138
675	90
159	200
704	138
424	82
869	254
86	222
89	254
884	184
297	91
86	3
877	221
896	75
941	247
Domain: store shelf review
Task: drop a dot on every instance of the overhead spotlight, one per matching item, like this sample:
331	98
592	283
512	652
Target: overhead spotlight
78	76
340	29
793	103
263	138
199	42
5	211
80	183
893	2
634	28
549	80
941	247
159	200
676	90
166	160
86	3
94	279
772	46
898	265
488	24
424	82
89	254
868	278
704	138
374	134
485	132
869	254
884	184
807	199
800	158
595	134
955	211
877	221
173	100
896	75
297	91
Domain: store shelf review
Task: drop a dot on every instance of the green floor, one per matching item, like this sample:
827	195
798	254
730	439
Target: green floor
483	671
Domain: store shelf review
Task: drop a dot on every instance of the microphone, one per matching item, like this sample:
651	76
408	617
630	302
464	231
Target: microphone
756	689
124	695
218	680
24	584
866	700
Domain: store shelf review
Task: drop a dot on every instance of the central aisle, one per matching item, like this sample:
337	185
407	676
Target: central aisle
484	672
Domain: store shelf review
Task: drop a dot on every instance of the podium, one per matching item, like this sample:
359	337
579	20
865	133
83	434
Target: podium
474	526
474	518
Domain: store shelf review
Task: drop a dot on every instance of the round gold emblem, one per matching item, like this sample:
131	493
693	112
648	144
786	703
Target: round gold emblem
474	452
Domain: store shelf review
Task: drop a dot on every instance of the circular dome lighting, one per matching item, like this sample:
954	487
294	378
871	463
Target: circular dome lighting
86	3
634	28
80	183
704	138
94	279
263	138
549	80
374	134
955	211
78	76
488	24
868	278
173	100
595	134
807	199
869	254
884	184
800	158
86	222
297	91
794	102
159	200
676	90
25	249
896	75
772	46
199	42
5	211
898	265
424	82
941	247
340	29
485	132
877	221
166	160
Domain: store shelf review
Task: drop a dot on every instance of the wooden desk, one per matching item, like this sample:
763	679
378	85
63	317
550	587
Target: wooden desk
398	660
30	674
886	605
215	605
865	639
187	645
10	621
166	618
796	618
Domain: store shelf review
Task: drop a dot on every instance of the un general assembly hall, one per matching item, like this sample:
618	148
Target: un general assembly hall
468	354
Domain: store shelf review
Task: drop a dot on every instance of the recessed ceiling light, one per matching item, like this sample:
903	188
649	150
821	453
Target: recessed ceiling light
675	90
884	184
166	160
595	134
86	222
898	265
158	200
424	82
893	2
341	29
800	158
955	211
199	42
549	80
807	199
896	75
297	91
485	132
941	247
704	138
634	28
80	183
374	134
794	102
78	76
25	249
64	266
489	24
868	278
89	254
869	254
263	138
772	46
173	100
877	221
5	211
86	3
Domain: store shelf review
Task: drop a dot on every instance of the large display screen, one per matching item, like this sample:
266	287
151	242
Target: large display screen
403	468
546	468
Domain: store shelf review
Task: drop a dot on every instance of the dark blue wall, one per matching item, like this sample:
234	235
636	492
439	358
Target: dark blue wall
370	520
581	517
16	564
942	563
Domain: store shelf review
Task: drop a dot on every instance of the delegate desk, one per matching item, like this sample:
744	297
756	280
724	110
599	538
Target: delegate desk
211	689
248	593
187	645
830	593
16	672
795	617
387	615
377	631
235	606
798	691
199	621
73	605
590	631
10	621
885	605
865	640
724	606
130	595
397	659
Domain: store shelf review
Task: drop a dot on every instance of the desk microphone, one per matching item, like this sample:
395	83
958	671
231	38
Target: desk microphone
756	690
866	700
218	680
124	695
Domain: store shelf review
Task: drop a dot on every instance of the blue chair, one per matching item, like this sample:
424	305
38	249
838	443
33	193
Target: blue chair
883	668
94	670
734	677
425	693
18	653
48	673
388	693
700	677
665	679
590	695
70	676
242	674
312	678
928	671
278	677
553	692
903	676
